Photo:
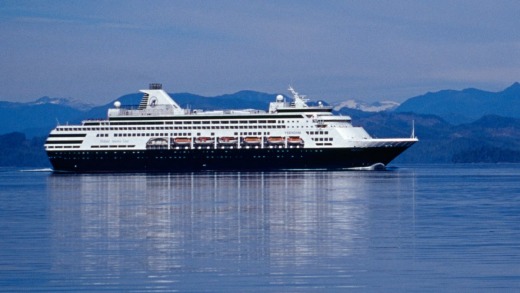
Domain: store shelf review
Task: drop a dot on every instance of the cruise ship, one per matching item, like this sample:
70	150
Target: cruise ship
160	136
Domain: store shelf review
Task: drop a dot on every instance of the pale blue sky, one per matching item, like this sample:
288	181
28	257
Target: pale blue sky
96	51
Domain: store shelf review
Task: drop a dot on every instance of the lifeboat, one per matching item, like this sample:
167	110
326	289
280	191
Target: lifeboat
227	140
204	140
294	140
252	140
182	140
157	143
275	140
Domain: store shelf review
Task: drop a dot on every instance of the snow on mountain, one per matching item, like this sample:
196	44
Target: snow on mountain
365	107
73	103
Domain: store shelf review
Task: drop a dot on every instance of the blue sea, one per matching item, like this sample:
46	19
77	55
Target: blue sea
419	228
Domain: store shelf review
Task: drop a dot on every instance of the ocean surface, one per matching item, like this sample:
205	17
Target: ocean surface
420	228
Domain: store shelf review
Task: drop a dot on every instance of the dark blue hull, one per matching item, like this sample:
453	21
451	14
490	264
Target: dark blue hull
220	159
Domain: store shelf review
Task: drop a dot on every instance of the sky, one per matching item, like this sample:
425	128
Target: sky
96	51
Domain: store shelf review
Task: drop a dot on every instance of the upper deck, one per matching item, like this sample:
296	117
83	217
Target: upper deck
157	103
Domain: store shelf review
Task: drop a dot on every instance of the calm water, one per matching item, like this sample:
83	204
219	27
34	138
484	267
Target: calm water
416	228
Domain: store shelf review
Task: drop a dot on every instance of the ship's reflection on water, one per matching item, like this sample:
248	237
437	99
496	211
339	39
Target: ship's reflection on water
172	229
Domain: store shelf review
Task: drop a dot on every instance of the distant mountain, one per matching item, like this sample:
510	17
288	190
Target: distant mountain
35	118
39	117
17	150
467	105
491	139
238	100
366	107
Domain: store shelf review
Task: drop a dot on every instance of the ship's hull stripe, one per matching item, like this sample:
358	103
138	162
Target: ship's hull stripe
73	135
63	142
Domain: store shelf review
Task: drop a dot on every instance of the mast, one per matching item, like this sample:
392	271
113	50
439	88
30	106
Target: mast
413	129
299	101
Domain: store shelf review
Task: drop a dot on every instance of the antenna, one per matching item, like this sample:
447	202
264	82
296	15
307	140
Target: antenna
299	100
293	92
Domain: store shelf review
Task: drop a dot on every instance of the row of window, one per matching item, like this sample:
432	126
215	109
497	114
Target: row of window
185	128
317	132
166	128
322	138
182	157
174	134
191	122
94	146
226	122
241	124
182	152
139	134
63	147
112	146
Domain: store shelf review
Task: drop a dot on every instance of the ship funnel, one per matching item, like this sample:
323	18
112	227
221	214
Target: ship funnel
155	86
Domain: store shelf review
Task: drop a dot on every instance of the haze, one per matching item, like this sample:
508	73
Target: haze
95	51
